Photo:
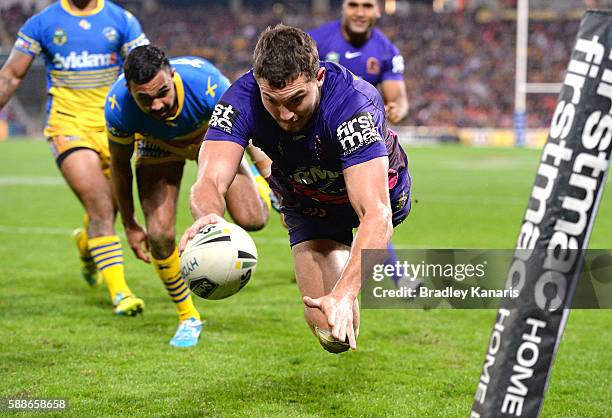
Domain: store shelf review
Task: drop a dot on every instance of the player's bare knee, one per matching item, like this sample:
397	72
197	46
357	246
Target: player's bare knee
161	242
161	250
255	224
252	219
252	225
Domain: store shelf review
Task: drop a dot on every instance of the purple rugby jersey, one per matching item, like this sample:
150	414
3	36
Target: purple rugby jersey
375	61
348	128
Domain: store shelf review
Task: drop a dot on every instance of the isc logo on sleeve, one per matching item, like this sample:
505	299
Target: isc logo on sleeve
223	117
359	131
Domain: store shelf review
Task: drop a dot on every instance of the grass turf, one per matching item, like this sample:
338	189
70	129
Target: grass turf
256	357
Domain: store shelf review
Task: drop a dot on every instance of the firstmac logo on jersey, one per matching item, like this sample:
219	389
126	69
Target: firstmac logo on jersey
223	117
359	131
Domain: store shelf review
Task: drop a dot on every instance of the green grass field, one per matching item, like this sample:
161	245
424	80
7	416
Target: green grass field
58	338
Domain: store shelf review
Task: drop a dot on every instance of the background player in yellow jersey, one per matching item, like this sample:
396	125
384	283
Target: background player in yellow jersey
165	106
83	43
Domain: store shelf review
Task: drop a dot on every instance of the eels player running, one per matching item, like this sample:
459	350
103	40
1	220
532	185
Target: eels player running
356	44
83	43
164	106
326	133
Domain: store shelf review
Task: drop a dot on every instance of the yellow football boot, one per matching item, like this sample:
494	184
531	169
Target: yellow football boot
89	270
128	305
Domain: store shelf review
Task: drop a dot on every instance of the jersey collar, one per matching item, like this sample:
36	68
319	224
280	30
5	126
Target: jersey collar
67	8
180	94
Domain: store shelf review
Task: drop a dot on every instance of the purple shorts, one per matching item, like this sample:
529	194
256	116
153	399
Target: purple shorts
336	222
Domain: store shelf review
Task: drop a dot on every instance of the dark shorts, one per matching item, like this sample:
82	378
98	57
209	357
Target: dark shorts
336	222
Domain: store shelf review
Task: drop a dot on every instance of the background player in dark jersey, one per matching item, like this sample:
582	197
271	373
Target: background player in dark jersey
358	45
335	164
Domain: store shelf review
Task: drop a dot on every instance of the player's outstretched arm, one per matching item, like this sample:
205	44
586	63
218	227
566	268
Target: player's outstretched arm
121	173
396	99
368	191
12	73
218	163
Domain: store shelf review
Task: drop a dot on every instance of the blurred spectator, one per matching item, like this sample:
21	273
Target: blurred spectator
459	72
13	17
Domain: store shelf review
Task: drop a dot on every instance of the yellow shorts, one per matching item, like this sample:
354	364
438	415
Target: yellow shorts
96	140
156	151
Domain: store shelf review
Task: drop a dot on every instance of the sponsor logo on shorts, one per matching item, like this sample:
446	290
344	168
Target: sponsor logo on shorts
223	117
314	212
400	202
359	131
146	149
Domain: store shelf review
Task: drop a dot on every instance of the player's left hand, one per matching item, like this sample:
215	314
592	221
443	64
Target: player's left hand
339	314
200	223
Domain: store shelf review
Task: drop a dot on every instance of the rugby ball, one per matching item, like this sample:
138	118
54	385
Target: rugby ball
219	261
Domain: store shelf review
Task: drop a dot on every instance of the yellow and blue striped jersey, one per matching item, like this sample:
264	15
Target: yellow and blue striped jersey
83	54
199	85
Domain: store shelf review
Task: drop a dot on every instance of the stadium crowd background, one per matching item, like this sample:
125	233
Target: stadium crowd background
459	64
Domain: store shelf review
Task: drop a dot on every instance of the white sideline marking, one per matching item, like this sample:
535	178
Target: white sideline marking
28	230
31	181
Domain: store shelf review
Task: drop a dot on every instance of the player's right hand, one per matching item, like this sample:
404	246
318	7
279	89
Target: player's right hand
139	243
211	218
339	314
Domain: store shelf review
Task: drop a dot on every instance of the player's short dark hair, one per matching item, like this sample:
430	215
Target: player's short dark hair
284	53
143	63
